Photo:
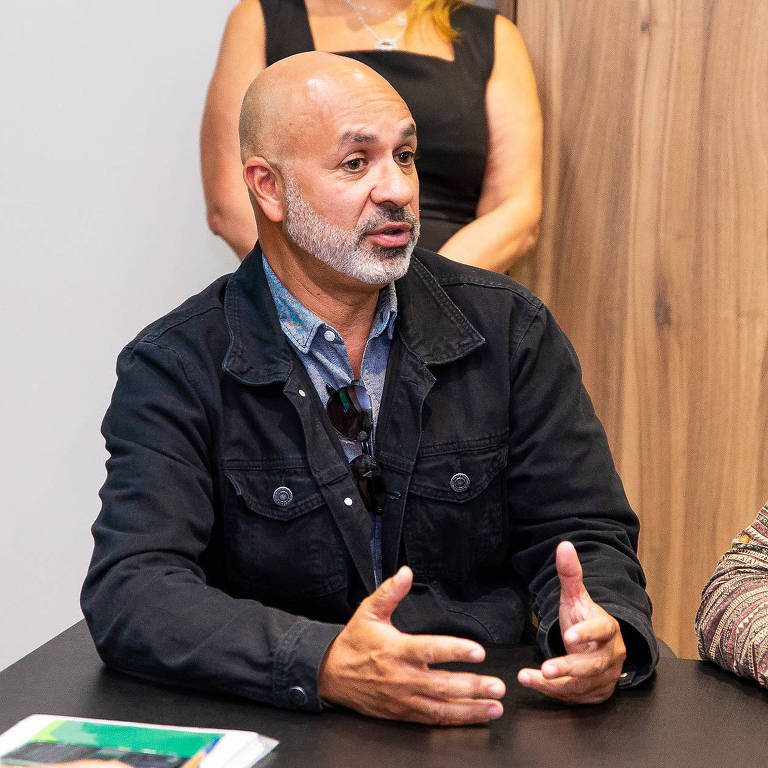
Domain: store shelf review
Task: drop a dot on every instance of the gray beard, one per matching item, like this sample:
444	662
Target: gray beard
346	250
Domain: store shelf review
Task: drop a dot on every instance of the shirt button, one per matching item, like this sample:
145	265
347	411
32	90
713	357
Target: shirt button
348	501
297	696
302	393
282	496
459	482
329	336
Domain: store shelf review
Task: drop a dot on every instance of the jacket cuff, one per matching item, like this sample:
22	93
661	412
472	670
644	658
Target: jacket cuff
638	636
297	664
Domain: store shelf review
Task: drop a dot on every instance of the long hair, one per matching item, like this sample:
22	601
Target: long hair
440	11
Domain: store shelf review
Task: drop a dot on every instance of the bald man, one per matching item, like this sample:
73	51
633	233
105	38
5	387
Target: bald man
353	459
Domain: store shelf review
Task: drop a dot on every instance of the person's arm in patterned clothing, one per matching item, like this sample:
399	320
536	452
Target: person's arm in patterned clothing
732	621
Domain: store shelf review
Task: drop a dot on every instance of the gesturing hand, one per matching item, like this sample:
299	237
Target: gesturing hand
377	670
595	650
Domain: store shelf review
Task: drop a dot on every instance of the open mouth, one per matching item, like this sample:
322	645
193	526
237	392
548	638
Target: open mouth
392	234
392	229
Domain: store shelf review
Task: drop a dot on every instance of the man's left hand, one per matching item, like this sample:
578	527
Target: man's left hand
595	650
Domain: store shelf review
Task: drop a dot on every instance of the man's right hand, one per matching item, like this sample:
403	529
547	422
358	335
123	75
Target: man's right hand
377	670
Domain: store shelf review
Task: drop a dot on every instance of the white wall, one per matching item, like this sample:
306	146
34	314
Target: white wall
102	229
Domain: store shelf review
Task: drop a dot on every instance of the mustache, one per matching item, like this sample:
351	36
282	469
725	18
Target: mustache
387	215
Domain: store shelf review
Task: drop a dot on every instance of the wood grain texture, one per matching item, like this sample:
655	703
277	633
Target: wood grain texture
654	258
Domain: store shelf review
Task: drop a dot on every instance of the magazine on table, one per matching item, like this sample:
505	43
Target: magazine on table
54	739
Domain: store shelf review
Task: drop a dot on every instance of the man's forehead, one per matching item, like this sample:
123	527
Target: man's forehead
370	134
360	99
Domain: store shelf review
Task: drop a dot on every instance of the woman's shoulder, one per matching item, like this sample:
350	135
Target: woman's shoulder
248	11
286	28
474	46
246	19
474	19
268	12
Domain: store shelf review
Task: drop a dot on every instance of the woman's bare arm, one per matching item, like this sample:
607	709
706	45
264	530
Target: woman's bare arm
509	208
241	57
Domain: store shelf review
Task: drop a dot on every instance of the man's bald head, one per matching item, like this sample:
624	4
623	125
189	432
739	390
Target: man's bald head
291	95
328	151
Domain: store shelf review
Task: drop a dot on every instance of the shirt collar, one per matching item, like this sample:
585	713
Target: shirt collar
386	312
301	325
429	324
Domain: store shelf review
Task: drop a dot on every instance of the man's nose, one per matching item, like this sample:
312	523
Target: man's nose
395	186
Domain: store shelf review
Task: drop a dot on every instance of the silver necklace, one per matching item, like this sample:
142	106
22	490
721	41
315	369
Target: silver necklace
382	43
401	17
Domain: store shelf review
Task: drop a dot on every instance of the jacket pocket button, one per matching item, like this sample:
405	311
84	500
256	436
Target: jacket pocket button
282	496
459	482
297	696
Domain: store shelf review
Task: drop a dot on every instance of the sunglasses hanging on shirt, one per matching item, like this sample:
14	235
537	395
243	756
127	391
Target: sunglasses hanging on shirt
350	412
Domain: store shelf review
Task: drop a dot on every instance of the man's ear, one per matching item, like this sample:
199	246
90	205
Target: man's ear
266	188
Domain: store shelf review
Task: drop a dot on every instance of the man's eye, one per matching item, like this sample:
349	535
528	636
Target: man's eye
355	164
405	156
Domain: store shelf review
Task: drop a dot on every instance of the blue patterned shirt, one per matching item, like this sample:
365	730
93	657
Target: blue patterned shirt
322	351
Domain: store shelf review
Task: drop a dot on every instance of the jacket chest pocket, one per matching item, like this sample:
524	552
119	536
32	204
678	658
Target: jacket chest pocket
454	520
282	542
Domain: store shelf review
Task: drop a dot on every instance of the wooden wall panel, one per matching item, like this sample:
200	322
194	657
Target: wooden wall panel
654	258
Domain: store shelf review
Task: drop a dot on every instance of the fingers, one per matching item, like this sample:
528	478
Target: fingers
432	711
439	649
578	665
441	684
575	603
573	690
606	659
569	571
381	604
439	697
589	675
377	670
591	632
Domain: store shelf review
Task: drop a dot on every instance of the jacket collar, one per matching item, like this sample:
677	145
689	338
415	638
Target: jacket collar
428	323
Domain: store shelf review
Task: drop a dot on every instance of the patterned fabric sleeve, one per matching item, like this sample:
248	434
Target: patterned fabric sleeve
732	621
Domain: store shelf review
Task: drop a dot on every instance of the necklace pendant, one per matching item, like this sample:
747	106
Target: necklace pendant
386	44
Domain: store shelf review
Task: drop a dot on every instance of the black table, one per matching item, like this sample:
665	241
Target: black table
690	713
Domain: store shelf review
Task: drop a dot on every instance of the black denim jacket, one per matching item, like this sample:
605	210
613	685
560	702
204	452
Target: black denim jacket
202	574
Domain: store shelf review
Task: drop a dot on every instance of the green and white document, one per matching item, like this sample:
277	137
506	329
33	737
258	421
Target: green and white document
51	739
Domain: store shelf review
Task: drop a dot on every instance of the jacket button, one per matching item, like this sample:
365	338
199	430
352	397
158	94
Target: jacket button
297	696
282	496
459	482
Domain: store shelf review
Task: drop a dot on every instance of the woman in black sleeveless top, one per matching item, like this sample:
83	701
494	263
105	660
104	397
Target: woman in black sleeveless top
473	99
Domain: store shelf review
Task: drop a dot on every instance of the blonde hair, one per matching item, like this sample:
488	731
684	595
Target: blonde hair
440	11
